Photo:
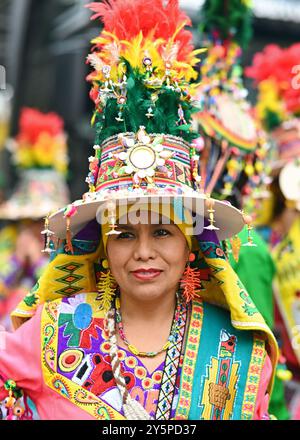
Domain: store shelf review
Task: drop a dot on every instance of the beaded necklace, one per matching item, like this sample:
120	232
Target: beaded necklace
133	409
172	337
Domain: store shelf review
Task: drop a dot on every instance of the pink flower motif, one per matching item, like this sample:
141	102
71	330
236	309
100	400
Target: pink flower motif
219	252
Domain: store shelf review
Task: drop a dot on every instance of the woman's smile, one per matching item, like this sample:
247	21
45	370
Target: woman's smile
146	274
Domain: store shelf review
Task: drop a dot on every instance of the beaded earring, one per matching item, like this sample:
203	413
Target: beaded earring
106	287
48	244
190	281
248	220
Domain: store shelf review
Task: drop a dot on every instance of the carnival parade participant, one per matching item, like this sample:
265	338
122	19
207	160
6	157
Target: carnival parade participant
40	154
277	107
235	147
139	315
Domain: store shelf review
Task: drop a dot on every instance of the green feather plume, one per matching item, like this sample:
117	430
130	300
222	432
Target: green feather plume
232	19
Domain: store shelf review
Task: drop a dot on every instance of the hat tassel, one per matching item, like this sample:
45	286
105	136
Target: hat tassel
69	245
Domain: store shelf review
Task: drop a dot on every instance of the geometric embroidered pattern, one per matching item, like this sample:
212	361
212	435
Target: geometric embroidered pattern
172	363
69	279
189	361
220	384
253	378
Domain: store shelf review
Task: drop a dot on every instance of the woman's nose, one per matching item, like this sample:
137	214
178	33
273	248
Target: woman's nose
144	249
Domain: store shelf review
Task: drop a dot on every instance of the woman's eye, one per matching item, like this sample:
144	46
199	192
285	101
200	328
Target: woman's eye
125	235
161	232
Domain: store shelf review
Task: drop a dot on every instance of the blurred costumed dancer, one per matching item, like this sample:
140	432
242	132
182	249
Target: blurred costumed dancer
39	152
235	149
278	105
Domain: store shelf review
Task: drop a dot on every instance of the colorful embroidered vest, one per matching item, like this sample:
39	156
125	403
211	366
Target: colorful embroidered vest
221	365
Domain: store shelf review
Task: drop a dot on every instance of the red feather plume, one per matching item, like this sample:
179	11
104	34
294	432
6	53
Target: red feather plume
278	64
127	18
32	123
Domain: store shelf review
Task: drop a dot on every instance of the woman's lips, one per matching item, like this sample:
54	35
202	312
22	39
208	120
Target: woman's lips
146	274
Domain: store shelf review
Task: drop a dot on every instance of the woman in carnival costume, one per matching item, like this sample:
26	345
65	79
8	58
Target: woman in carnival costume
139	315
278	105
39	151
235	148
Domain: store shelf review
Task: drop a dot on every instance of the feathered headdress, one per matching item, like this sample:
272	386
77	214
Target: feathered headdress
228	21
143	80
275	71
41	141
234	148
143	62
40	153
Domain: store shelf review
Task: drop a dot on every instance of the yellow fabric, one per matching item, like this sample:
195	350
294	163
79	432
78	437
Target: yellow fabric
51	283
287	260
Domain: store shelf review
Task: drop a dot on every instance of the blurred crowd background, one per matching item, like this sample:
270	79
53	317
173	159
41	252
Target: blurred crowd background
43	46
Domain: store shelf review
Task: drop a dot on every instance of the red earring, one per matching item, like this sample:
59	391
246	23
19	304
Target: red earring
190	281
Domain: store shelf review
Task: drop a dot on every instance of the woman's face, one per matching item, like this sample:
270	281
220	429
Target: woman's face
147	260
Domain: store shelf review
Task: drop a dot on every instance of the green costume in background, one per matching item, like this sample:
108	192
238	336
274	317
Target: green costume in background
256	270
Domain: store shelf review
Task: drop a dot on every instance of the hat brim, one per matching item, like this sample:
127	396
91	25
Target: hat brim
228	219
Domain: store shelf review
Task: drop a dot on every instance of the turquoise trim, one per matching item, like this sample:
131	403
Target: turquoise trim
215	320
80	247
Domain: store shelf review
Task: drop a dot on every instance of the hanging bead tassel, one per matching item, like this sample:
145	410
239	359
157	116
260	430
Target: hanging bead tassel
106	288
149	113
69	211
181	120
69	246
112	219
190	282
211	213
248	220
47	237
15	411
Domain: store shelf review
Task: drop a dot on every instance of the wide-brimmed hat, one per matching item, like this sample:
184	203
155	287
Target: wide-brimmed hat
289	182
40	153
143	94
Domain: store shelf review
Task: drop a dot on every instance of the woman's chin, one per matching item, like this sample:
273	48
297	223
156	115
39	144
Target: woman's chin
148	290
